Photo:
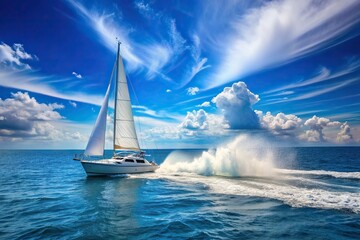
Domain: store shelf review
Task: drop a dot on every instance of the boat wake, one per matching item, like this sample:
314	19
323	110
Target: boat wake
247	167
349	175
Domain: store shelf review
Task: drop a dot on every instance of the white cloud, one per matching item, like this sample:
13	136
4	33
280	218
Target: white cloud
77	75
317	125
16	74
281	31
73	104
323	82
145	110
156	57
34	82
195	120
194	124
151	55
192	90
26	120
280	124
168	90
204	104
23	116
201	123
314	130
165	132
144	8
178	43
236	103
14	56
199	62
108	30
345	136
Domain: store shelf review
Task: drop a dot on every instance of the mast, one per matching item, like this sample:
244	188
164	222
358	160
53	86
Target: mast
116	77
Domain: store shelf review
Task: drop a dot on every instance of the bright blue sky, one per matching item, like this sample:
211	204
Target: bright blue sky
203	71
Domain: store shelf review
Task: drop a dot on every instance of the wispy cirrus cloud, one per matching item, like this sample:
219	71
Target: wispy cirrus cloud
107	29
151	55
199	62
160	54
324	74
16	73
325	81
44	84
278	32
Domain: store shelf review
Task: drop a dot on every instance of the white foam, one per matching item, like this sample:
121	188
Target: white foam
292	195
244	156
353	175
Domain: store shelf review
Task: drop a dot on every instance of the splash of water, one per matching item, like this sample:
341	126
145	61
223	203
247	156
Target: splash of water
244	156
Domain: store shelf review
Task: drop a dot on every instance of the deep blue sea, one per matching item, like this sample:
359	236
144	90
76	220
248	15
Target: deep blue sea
282	193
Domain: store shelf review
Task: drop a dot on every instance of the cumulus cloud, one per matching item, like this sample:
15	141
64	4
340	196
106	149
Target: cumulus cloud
195	120
168	90
21	108
317	125
200	122
24	117
279	124
14	56
192	91
77	75
21	113
236	104
345	136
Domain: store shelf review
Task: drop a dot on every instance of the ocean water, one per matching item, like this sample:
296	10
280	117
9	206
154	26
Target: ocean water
282	193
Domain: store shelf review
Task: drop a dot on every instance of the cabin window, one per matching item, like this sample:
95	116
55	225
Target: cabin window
129	160
140	161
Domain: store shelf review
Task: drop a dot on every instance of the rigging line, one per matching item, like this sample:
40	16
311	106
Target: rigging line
111	79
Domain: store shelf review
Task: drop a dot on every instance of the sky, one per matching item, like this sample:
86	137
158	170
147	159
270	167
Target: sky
200	72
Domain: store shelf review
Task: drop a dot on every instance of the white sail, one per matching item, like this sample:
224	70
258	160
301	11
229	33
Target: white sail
96	143
124	128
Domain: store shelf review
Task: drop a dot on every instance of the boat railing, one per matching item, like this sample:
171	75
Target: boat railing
78	157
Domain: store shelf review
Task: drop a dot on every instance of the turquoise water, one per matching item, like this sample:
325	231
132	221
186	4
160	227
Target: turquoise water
313	194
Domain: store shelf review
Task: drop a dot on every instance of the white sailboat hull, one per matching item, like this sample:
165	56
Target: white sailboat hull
110	167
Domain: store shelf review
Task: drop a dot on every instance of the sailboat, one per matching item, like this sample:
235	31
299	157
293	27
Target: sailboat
128	158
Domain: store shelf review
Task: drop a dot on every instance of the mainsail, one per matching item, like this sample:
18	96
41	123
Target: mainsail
124	127
96	143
